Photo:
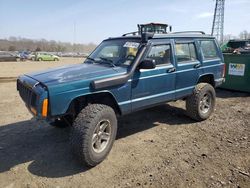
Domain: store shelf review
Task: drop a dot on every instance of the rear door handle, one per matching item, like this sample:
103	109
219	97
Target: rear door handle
197	65
171	70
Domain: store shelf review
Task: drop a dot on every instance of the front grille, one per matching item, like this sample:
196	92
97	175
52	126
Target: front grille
26	93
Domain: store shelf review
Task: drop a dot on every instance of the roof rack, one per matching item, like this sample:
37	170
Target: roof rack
183	32
131	33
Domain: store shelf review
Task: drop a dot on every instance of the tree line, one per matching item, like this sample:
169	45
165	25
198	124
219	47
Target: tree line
24	44
243	35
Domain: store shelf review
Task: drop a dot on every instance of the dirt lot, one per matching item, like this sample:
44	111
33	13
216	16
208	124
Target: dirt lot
158	147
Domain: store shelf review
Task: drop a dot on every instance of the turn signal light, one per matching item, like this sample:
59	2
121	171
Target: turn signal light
45	108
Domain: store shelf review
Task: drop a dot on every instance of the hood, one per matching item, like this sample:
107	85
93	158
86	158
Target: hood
76	73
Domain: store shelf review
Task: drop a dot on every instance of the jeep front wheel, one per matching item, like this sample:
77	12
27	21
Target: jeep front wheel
201	103
93	133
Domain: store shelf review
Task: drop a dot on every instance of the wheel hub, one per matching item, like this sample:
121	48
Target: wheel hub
205	103
101	136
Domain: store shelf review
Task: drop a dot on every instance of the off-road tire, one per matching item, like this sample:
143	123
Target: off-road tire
83	129
193	102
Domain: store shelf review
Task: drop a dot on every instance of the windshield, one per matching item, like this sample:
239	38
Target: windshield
115	52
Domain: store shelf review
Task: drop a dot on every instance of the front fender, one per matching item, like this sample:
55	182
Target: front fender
60	103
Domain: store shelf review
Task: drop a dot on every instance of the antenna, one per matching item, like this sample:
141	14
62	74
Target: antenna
218	22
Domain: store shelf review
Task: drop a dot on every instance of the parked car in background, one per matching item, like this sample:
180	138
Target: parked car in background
66	54
8	56
24	55
32	56
83	54
44	56
73	54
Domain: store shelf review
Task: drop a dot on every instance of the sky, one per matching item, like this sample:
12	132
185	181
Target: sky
86	21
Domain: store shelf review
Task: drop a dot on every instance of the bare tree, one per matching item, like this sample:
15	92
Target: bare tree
23	44
244	35
12	48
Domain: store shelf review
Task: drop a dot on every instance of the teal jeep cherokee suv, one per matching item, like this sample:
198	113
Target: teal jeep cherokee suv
123	75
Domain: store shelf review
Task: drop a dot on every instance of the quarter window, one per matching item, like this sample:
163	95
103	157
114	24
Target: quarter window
161	54
208	49
185	52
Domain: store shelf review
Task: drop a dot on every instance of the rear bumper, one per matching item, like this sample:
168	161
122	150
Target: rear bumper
219	81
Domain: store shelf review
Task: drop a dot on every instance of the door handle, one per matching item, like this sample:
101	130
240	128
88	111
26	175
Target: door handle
197	65
171	70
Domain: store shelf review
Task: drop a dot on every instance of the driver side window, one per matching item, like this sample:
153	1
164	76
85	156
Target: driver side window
161	54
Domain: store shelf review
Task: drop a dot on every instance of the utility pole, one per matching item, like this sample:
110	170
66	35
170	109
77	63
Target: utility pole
74	37
218	22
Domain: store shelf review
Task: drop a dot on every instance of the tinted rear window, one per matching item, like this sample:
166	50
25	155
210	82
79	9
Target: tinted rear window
185	52
209	49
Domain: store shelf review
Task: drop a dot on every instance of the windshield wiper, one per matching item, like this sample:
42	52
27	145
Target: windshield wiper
109	61
92	59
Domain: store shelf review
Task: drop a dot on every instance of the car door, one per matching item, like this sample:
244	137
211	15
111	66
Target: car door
2	56
188	67
12	57
50	57
8	56
153	86
46	57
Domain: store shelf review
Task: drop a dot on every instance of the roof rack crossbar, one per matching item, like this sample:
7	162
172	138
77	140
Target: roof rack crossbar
130	33
183	32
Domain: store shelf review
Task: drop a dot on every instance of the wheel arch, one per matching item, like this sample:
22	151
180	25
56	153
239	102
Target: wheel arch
105	97
207	78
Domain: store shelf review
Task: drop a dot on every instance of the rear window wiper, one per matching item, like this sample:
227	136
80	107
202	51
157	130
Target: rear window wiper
109	61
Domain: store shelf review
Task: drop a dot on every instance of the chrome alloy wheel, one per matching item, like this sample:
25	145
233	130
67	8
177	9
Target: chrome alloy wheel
101	136
205	103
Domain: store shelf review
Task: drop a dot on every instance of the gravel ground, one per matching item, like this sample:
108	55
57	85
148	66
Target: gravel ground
158	147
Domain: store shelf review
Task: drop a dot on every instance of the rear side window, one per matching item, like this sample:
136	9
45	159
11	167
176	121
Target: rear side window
208	48
161	54
185	52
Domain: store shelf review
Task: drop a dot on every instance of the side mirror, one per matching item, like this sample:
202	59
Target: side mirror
147	64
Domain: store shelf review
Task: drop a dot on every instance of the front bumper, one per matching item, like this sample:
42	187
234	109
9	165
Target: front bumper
33	94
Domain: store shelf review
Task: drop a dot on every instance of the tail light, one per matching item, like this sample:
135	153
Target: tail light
224	71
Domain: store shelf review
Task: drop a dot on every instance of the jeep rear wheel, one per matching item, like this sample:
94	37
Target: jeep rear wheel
93	133
201	103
